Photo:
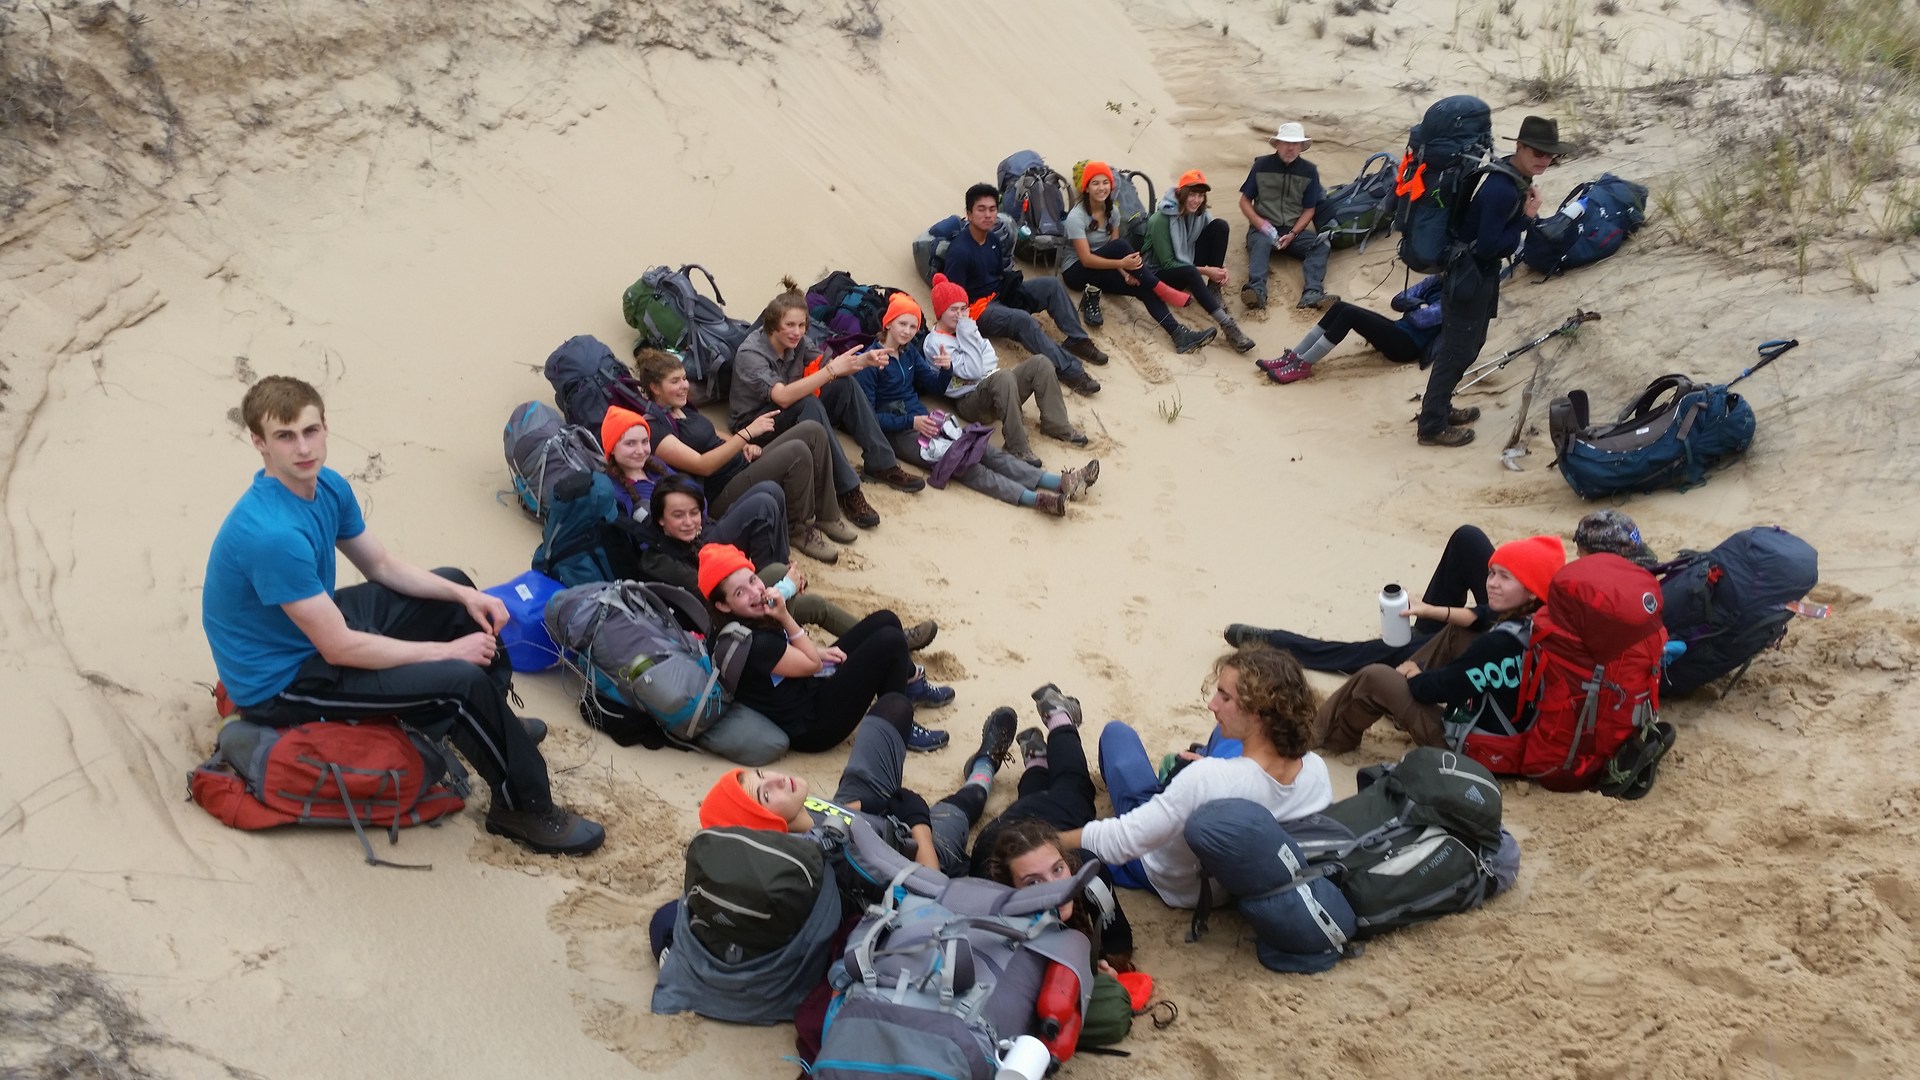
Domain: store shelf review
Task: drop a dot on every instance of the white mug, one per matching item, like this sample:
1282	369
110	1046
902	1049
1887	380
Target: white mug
1025	1058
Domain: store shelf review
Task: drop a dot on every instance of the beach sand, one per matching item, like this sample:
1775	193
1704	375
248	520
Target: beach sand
411	204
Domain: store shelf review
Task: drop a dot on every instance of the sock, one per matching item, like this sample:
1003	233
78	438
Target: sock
981	772
1058	720
1036	762
1314	337
1050	481
1312	353
1028	498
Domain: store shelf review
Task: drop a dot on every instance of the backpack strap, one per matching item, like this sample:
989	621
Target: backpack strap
340	785
1647	403
708	274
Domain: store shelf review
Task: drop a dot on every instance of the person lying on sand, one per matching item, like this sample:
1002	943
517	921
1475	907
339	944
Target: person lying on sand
424	646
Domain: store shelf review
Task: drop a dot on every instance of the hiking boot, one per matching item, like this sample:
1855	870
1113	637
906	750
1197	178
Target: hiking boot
996	741
925	740
1186	340
1314	298
926	695
1285	368
1253	296
839	530
1075	482
920	635
1090	312
1032	459
1072	436
1050	502
896	478
1033	744
1236	337
1463	417
1240	633
536	729
1448	436
1082	383
1050	700
1085	349
812	544
855	508
555	831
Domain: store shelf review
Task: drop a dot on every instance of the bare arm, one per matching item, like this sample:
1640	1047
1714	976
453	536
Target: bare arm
1303	222
785	394
923	852
685	459
1088	259
802	658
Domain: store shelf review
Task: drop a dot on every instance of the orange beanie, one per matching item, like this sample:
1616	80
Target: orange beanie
946	294
1092	169
902	304
727	803
619	421
717	561
1532	562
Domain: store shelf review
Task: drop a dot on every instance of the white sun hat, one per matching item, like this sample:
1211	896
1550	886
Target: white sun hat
1293	133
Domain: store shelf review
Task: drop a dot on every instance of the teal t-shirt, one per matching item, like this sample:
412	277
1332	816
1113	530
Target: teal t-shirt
274	548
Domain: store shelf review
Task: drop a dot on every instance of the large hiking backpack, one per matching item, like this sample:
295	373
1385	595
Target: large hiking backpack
573	541
366	773
1301	920
941	969
930	247
1350	214
586	379
671	313
1730	603
1589	680
1448	152
542	450
1420	839
1037	198
1670	436
641	642
1612	209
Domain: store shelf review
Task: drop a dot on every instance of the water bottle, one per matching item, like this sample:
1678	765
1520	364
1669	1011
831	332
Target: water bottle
786	588
1394	629
1574	209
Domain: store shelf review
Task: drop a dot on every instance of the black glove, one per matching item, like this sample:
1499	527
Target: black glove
909	809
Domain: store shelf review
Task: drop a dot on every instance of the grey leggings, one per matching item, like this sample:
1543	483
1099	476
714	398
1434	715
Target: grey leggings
998	474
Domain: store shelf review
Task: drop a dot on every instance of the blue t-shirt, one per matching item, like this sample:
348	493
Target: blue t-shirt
274	548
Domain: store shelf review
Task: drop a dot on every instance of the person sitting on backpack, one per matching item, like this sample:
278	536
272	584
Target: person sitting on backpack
1477	674
1187	246
1412	336
785	677
1003	298
924	437
1260	697
1097	257
771	371
676	529
1500	210
799	459
982	393
1278	199
290	649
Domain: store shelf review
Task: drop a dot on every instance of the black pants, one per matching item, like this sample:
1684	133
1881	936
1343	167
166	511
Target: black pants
1461	572
1379	331
1470	296
462	700
877	663
1209	249
1079	276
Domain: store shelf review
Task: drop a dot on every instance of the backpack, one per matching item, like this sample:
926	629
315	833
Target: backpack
542	450
642	643
573	541
1448	153
1670	436
1350	214
363	773
586	379
749	891
941	969
1590	677
1300	919
849	310
1612	210
1419	840
1729	603
672	314
930	247
1036	197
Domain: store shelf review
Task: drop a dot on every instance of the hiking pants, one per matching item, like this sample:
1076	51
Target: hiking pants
1379	331
1378	690
876	771
1309	247
877	663
800	460
809	609
744	736
1079	276
998	474
811	408
1000	320
1131	781
453	697
998	397
847	406
1470	296
1059	792
756	523
1209	249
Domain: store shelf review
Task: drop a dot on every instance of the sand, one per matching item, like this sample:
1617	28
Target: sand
411	204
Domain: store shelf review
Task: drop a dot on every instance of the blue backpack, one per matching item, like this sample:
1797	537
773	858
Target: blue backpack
1670	436
1728	604
573	545
1614	209
1448	153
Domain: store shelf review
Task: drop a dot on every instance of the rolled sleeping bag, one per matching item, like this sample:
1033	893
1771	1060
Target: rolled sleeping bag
1300	927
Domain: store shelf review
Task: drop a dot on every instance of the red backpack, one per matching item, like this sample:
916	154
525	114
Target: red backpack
1590	679
368	772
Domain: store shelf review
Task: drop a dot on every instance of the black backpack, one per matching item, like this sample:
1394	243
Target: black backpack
586	378
1448	153
1730	603
749	891
1350	214
1037	198
1613	209
847	307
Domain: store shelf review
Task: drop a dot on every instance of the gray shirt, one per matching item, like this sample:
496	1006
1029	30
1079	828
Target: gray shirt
1079	226
756	368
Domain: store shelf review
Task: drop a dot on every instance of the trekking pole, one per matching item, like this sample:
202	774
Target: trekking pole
1516	449
1573	323
1769	352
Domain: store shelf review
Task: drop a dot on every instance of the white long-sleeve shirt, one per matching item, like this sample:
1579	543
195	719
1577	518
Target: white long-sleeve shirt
971	355
1154	832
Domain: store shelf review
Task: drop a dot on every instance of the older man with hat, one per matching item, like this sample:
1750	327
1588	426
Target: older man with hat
1501	209
1187	247
1278	199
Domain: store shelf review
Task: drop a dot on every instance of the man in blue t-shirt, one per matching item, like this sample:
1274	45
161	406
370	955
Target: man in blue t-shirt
418	645
1278	199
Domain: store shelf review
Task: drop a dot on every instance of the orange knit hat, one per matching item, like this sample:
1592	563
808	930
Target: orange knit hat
1092	169
619	421
902	304
717	561
727	803
1532	562
946	294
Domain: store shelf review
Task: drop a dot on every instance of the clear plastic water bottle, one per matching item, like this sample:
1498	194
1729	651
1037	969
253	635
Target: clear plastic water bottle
1394	629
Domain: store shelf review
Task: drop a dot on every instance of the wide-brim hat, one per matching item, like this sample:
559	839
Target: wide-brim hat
1293	133
1543	135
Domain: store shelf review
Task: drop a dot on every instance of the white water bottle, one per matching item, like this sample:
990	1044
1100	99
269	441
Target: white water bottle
1574	209
1394	628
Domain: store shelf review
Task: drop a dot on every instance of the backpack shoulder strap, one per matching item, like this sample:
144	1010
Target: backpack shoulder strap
708	274
1646	404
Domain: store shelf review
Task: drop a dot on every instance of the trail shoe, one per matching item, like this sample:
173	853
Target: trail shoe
1072	436
1187	340
896	478
1085	349
1090	312
1050	700
1075	482
839	530
1082	383
996	741
1033	746
1448	436
536	729
550	832
1314	298
855	507
814	545
926	695
920	635
1240	633
1236	337
1463	417
1050	502
1032	459
1253	297
1285	368
925	740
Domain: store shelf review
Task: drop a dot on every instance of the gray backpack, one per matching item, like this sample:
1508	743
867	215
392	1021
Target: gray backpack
542	450
636	641
942	970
